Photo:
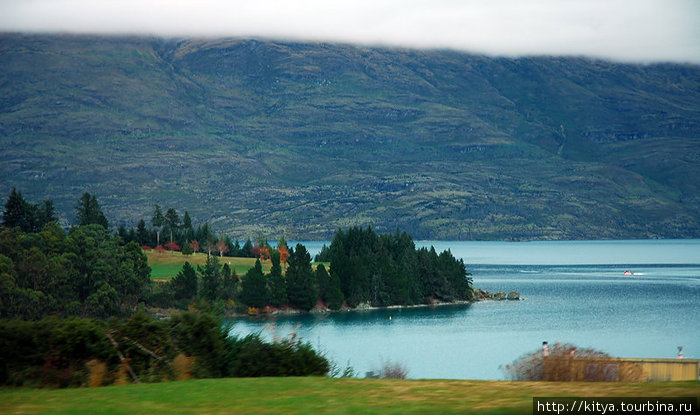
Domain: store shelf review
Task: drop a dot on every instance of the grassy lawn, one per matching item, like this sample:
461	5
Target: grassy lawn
320	396
166	265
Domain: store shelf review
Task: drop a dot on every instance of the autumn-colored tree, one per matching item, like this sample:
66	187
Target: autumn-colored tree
210	245
221	247
194	245
264	253
284	252
160	249
172	246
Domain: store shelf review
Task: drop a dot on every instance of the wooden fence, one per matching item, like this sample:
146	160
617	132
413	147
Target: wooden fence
601	369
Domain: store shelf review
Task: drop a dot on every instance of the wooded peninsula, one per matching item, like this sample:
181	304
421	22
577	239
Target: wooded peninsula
90	272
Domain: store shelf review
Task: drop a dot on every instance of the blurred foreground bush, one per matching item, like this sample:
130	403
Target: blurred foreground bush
83	352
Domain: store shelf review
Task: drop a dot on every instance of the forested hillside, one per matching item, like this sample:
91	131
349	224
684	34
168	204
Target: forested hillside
304	139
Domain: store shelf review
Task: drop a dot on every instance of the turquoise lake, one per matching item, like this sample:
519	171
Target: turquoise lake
573	292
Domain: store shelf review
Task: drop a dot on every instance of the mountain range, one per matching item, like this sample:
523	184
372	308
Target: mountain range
301	139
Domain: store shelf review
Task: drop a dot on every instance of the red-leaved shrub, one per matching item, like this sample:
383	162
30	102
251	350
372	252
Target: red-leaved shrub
172	246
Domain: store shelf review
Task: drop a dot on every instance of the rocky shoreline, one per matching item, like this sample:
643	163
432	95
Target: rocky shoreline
497	296
320	308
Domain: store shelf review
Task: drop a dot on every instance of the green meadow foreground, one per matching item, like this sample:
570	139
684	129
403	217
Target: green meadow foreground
320	396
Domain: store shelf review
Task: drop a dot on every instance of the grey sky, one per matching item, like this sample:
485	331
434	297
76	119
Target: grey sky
636	30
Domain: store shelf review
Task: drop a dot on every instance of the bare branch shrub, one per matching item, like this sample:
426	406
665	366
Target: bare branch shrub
392	370
530	366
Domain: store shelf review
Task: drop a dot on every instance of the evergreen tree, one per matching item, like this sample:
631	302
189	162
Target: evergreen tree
157	221
334	296
45	214
188	234
106	275
211	278
185	283
230	247
247	250
172	220
143	237
323	281
18	212
324	255
122	232
186	221
237	250
229	283
253	287
131	236
186	248
301	289
206	238
276	282
88	212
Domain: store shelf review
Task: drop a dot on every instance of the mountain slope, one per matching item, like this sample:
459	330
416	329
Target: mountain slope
305	138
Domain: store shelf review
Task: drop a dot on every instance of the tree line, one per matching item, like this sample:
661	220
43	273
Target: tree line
89	272
366	269
168	231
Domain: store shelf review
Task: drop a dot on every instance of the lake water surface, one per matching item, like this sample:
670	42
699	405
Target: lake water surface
574	292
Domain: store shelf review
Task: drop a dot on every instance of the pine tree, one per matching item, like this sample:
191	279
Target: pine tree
185	283
301	289
157	221
276	282
18	212
186	221
229	282
143	237
122	232
88	212
186	248
248	250
334	295
254	290
45	214
211	278
172	219
323	281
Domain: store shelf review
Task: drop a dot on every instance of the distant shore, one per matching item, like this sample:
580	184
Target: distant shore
320	309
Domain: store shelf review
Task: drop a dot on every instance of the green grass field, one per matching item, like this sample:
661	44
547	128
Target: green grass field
166	265
320	396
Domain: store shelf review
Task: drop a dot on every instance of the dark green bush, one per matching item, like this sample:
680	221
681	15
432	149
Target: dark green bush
54	352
